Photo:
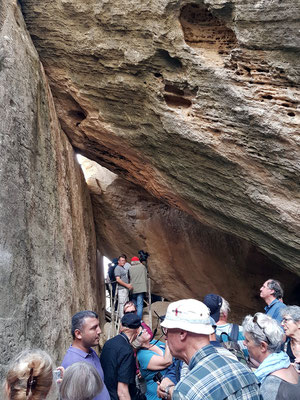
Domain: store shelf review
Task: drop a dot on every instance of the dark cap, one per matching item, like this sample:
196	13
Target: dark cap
214	303
131	321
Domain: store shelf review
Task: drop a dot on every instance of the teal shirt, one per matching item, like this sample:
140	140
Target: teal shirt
144	356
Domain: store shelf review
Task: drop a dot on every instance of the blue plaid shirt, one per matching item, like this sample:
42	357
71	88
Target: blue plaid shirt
215	377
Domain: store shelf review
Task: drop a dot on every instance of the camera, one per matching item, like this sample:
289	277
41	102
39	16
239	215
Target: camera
157	377
143	255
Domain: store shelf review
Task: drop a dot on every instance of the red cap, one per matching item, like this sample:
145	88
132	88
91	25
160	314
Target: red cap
135	259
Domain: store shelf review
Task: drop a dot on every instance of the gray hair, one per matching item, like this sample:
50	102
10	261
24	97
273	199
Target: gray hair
276	286
293	311
225	307
266	329
78	320
81	381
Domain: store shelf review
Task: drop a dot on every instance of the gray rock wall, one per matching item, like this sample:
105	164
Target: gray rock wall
197	102
47	239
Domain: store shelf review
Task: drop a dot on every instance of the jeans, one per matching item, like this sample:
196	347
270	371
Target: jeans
138	299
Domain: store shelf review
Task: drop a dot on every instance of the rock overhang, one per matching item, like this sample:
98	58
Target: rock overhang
204	119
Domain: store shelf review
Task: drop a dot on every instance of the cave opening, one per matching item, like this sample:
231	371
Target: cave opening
128	218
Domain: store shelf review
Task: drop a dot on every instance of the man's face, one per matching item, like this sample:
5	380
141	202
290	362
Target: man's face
265	291
90	332
122	261
174	342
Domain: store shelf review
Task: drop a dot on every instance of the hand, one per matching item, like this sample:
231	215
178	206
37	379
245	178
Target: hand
160	391
129	287
161	388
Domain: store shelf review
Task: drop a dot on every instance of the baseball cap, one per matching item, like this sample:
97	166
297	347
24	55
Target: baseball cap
131	321
135	259
190	315
214	303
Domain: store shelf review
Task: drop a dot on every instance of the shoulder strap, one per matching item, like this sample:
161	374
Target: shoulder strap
234	333
227	337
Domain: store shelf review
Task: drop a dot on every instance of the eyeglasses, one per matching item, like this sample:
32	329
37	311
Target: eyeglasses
285	320
261	328
142	331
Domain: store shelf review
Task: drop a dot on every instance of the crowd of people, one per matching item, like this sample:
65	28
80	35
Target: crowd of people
128	279
197	359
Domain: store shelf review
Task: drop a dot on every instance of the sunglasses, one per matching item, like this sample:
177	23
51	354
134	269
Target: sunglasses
261	328
140	334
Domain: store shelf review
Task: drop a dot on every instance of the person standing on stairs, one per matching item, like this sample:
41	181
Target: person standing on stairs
124	286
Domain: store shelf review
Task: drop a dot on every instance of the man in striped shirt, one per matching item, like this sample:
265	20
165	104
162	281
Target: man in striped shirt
211	376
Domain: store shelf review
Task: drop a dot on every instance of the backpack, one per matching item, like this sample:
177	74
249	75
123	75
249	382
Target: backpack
231	344
111	270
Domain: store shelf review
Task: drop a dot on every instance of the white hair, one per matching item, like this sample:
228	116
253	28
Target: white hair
266	329
81	381
293	311
225	307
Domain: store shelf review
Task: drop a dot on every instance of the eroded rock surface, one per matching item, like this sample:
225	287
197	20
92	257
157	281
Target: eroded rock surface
197	102
187	258
47	241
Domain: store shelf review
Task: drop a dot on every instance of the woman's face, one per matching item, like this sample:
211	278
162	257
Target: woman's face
143	336
253	348
290	326
129	309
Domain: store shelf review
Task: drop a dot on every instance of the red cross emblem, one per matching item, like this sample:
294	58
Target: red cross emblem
176	312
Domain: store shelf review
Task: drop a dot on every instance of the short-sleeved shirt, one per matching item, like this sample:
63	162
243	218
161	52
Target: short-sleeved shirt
118	363
74	355
122	273
144	356
215	377
273	310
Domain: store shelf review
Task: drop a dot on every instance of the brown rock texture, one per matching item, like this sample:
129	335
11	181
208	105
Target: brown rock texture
47	240
187	258
196	102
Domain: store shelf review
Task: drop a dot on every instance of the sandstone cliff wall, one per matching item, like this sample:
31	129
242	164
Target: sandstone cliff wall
197	102
47	239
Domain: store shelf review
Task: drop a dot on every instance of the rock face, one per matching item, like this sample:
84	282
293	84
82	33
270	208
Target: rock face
187	258
197	102
47	241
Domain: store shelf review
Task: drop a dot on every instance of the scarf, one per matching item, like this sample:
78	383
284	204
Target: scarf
272	363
